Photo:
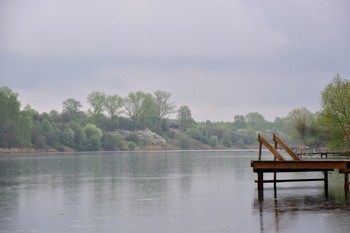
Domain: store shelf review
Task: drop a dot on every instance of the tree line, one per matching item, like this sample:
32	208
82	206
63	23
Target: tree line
100	127
95	129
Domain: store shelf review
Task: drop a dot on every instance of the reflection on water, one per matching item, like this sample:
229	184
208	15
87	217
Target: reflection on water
295	212
305	207
158	192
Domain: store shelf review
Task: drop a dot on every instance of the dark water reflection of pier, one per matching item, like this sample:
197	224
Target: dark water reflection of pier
300	210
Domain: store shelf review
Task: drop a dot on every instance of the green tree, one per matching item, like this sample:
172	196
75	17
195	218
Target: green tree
213	141
302	120
199	132
239	122
132	146
93	137
334	117
133	105
282	125
226	139
163	106
93	143
148	118
118	140
45	133
184	117
53	137
46	126
79	135
9	118
97	102
108	141
26	126
113	104
133	137
67	137
71	107
54	116
256	121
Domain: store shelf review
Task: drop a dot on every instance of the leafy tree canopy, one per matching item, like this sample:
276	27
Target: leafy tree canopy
335	113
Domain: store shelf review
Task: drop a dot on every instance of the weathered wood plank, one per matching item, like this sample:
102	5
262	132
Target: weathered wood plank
277	155
279	166
291	180
286	147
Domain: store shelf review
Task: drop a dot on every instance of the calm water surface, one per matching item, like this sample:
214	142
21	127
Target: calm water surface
159	192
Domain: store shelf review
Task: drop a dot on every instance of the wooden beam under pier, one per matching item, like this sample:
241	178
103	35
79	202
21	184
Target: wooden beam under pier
302	165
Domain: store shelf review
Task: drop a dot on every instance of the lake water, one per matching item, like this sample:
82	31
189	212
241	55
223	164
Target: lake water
160	192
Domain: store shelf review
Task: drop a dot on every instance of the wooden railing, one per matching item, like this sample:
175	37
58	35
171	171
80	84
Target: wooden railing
274	151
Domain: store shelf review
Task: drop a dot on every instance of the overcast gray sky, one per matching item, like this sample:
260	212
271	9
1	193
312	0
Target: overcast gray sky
219	57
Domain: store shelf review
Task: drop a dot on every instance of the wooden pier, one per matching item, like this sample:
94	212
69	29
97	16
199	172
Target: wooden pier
294	164
326	154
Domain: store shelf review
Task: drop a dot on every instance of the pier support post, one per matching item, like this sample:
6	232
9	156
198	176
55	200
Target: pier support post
346	184
260	184
325	183
275	184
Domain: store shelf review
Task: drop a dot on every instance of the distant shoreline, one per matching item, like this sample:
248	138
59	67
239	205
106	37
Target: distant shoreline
9	151
25	150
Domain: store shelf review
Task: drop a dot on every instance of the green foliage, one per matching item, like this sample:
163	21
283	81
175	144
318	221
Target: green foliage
46	126
26	126
256	121
133	137
93	143
67	137
126	123
239	122
119	142
163	107
139	110
91	129
113	103
302	121
226	140
147	117
79	135
335	114
53	137
93	137
55	116
199	133
183	142
184	117
213	141
132	146
59	147
71	107
133	106
97	101
9	118
164	126
108	142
